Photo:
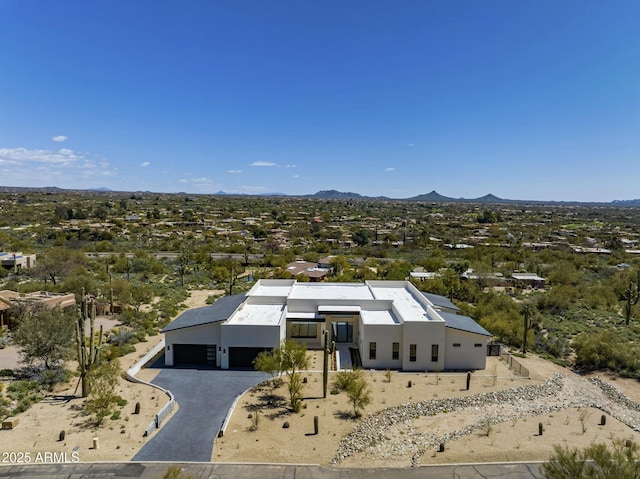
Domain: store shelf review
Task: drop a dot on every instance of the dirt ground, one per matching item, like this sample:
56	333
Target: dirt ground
36	436
268	441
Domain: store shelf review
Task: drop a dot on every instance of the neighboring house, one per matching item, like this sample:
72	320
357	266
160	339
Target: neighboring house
391	323
528	279
313	271
10	300
17	260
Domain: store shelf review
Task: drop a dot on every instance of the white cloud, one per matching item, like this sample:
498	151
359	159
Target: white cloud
296	176
234	172
27	167
289	166
263	163
410	144
60	138
391	168
144	164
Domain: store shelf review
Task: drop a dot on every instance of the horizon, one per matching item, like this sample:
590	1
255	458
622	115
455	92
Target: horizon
531	101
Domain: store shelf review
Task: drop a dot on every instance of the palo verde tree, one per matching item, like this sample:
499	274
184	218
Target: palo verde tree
291	357
87	349
45	336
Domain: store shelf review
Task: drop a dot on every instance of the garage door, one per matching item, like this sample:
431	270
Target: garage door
243	357
197	354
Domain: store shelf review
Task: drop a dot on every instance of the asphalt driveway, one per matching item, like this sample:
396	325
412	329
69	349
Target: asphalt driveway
204	397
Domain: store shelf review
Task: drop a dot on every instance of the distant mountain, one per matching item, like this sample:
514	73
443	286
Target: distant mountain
634	202
336	195
434	197
490	199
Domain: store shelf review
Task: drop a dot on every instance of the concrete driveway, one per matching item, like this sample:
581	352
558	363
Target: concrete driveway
204	397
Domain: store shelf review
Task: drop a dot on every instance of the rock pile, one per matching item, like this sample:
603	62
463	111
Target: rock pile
392	432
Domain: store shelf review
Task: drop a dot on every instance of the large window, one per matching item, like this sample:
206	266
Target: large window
413	353
434	353
304	329
372	350
395	352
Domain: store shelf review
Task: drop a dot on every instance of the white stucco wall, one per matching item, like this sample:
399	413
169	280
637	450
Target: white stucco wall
423	334
384	336
467	356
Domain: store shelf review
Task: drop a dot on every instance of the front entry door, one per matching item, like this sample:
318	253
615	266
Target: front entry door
342	332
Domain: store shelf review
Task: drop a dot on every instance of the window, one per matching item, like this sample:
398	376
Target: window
412	352
456	345
395	352
372	350
477	345
304	329
434	353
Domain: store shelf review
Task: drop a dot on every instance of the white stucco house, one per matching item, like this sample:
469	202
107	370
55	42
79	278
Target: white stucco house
391	324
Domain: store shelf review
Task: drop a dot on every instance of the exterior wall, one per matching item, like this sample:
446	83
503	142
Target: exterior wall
424	335
311	343
467	356
254	336
384	336
204	334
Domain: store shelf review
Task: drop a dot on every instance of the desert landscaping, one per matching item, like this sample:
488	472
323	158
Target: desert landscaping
410	416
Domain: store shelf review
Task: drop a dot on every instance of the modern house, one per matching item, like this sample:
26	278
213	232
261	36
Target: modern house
17	260
391	324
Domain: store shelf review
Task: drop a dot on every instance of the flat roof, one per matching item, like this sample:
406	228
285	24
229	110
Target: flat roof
331	291
269	289
378	317
405	303
258	315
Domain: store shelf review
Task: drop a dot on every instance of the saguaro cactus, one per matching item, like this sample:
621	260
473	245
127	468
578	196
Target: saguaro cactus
526	313
88	354
631	295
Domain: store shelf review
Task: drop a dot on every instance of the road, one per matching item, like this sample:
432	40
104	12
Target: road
263	471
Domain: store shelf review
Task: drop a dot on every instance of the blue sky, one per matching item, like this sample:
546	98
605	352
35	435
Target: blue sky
523	99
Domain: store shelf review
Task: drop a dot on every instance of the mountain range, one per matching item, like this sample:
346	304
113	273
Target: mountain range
432	197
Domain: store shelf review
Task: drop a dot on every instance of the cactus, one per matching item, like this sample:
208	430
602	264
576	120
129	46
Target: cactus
137	409
528	324
88	355
62	435
315	425
540	429
325	364
468	379
631	295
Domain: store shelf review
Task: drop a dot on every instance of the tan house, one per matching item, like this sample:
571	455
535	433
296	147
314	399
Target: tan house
10	300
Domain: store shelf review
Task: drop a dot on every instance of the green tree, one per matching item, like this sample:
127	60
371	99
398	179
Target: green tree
103	398
620	461
359	394
45	336
271	363
290	357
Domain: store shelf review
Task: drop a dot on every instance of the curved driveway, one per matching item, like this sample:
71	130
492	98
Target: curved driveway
204	397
